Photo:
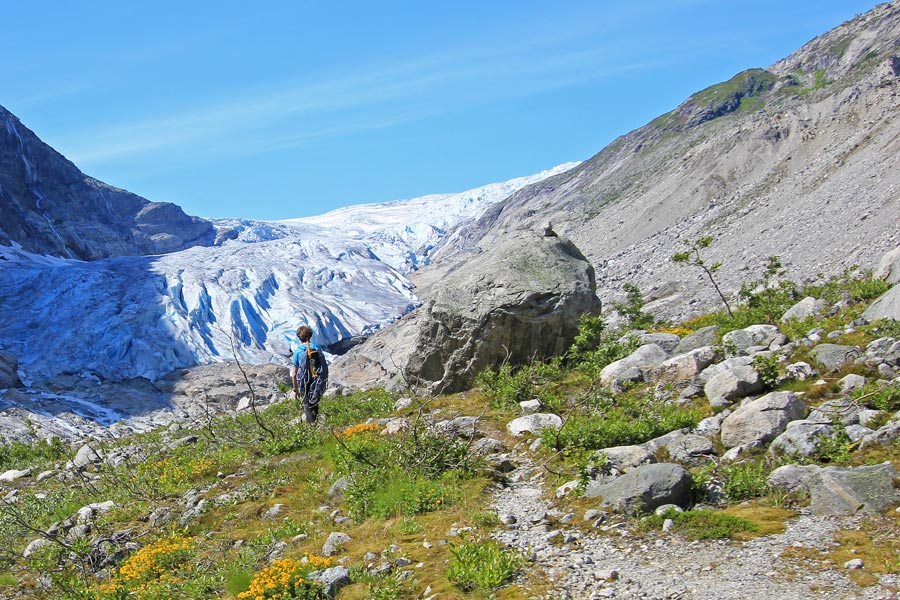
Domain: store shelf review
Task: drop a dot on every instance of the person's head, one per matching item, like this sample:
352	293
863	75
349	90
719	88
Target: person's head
304	333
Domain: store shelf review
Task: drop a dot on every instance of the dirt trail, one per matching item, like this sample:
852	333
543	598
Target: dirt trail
607	561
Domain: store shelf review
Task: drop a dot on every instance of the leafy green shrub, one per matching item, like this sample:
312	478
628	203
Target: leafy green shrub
18	455
834	448
618	421
879	396
485	518
482	565
385	493
850	285
703	524
745	480
589	337
507	386
633	308
595	347
341	411
767	367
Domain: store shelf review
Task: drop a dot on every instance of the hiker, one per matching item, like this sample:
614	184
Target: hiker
309	373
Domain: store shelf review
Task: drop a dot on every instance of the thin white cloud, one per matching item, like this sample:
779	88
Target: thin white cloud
277	117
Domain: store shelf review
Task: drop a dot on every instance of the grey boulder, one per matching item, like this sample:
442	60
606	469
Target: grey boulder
734	383
332	579
643	360
834	356
887	306
705	336
801	438
739	341
761	420
644	488
683	367
808	307
534	423
839	490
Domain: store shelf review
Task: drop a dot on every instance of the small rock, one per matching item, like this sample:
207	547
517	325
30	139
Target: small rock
856	563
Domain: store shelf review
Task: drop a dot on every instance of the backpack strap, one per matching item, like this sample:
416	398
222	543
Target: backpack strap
312	369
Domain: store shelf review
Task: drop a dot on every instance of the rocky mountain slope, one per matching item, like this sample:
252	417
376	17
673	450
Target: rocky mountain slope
48	206
800	160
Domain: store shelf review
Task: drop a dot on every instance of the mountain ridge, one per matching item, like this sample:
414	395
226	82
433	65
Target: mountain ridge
48	206
807	143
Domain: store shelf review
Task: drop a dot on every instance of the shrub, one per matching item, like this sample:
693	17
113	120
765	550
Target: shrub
385	493
633	308
619	421
161	569
483	566
746	480
287	578
879	396
703	524
507	386
18	455
767	367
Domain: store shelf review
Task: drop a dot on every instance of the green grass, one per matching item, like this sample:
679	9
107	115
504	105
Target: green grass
703	524
482	565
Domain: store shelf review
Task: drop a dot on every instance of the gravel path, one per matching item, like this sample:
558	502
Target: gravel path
606	561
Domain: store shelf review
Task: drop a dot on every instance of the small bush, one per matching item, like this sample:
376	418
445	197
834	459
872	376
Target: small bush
879	396
619	421
633	308
18	455
746	480
703	524
287	578
767	367
835	448
483	566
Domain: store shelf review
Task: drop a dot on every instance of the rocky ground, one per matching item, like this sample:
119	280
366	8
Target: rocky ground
588	560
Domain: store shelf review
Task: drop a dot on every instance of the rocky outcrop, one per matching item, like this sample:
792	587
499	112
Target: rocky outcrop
9	377
48	206
839	490
885	307
516	302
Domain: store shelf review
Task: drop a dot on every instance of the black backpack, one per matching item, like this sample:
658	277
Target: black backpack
316	377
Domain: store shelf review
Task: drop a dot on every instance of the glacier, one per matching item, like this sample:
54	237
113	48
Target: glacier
344	273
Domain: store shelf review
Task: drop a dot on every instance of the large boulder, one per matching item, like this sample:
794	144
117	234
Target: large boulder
889	267
518	301
683	367
732	384
801	438
739	341
644	488
705	336
887	306
635	366
761	420
534	423
808	307
834	356
839	490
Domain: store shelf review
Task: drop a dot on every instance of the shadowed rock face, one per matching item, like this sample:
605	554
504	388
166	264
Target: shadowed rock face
50	207
518	301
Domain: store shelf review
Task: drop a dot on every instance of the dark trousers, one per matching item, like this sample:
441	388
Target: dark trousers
311	409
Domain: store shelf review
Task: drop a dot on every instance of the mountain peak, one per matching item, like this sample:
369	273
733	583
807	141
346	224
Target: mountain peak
48	206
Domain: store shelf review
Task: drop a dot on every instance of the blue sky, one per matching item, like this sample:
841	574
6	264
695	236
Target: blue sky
289	109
